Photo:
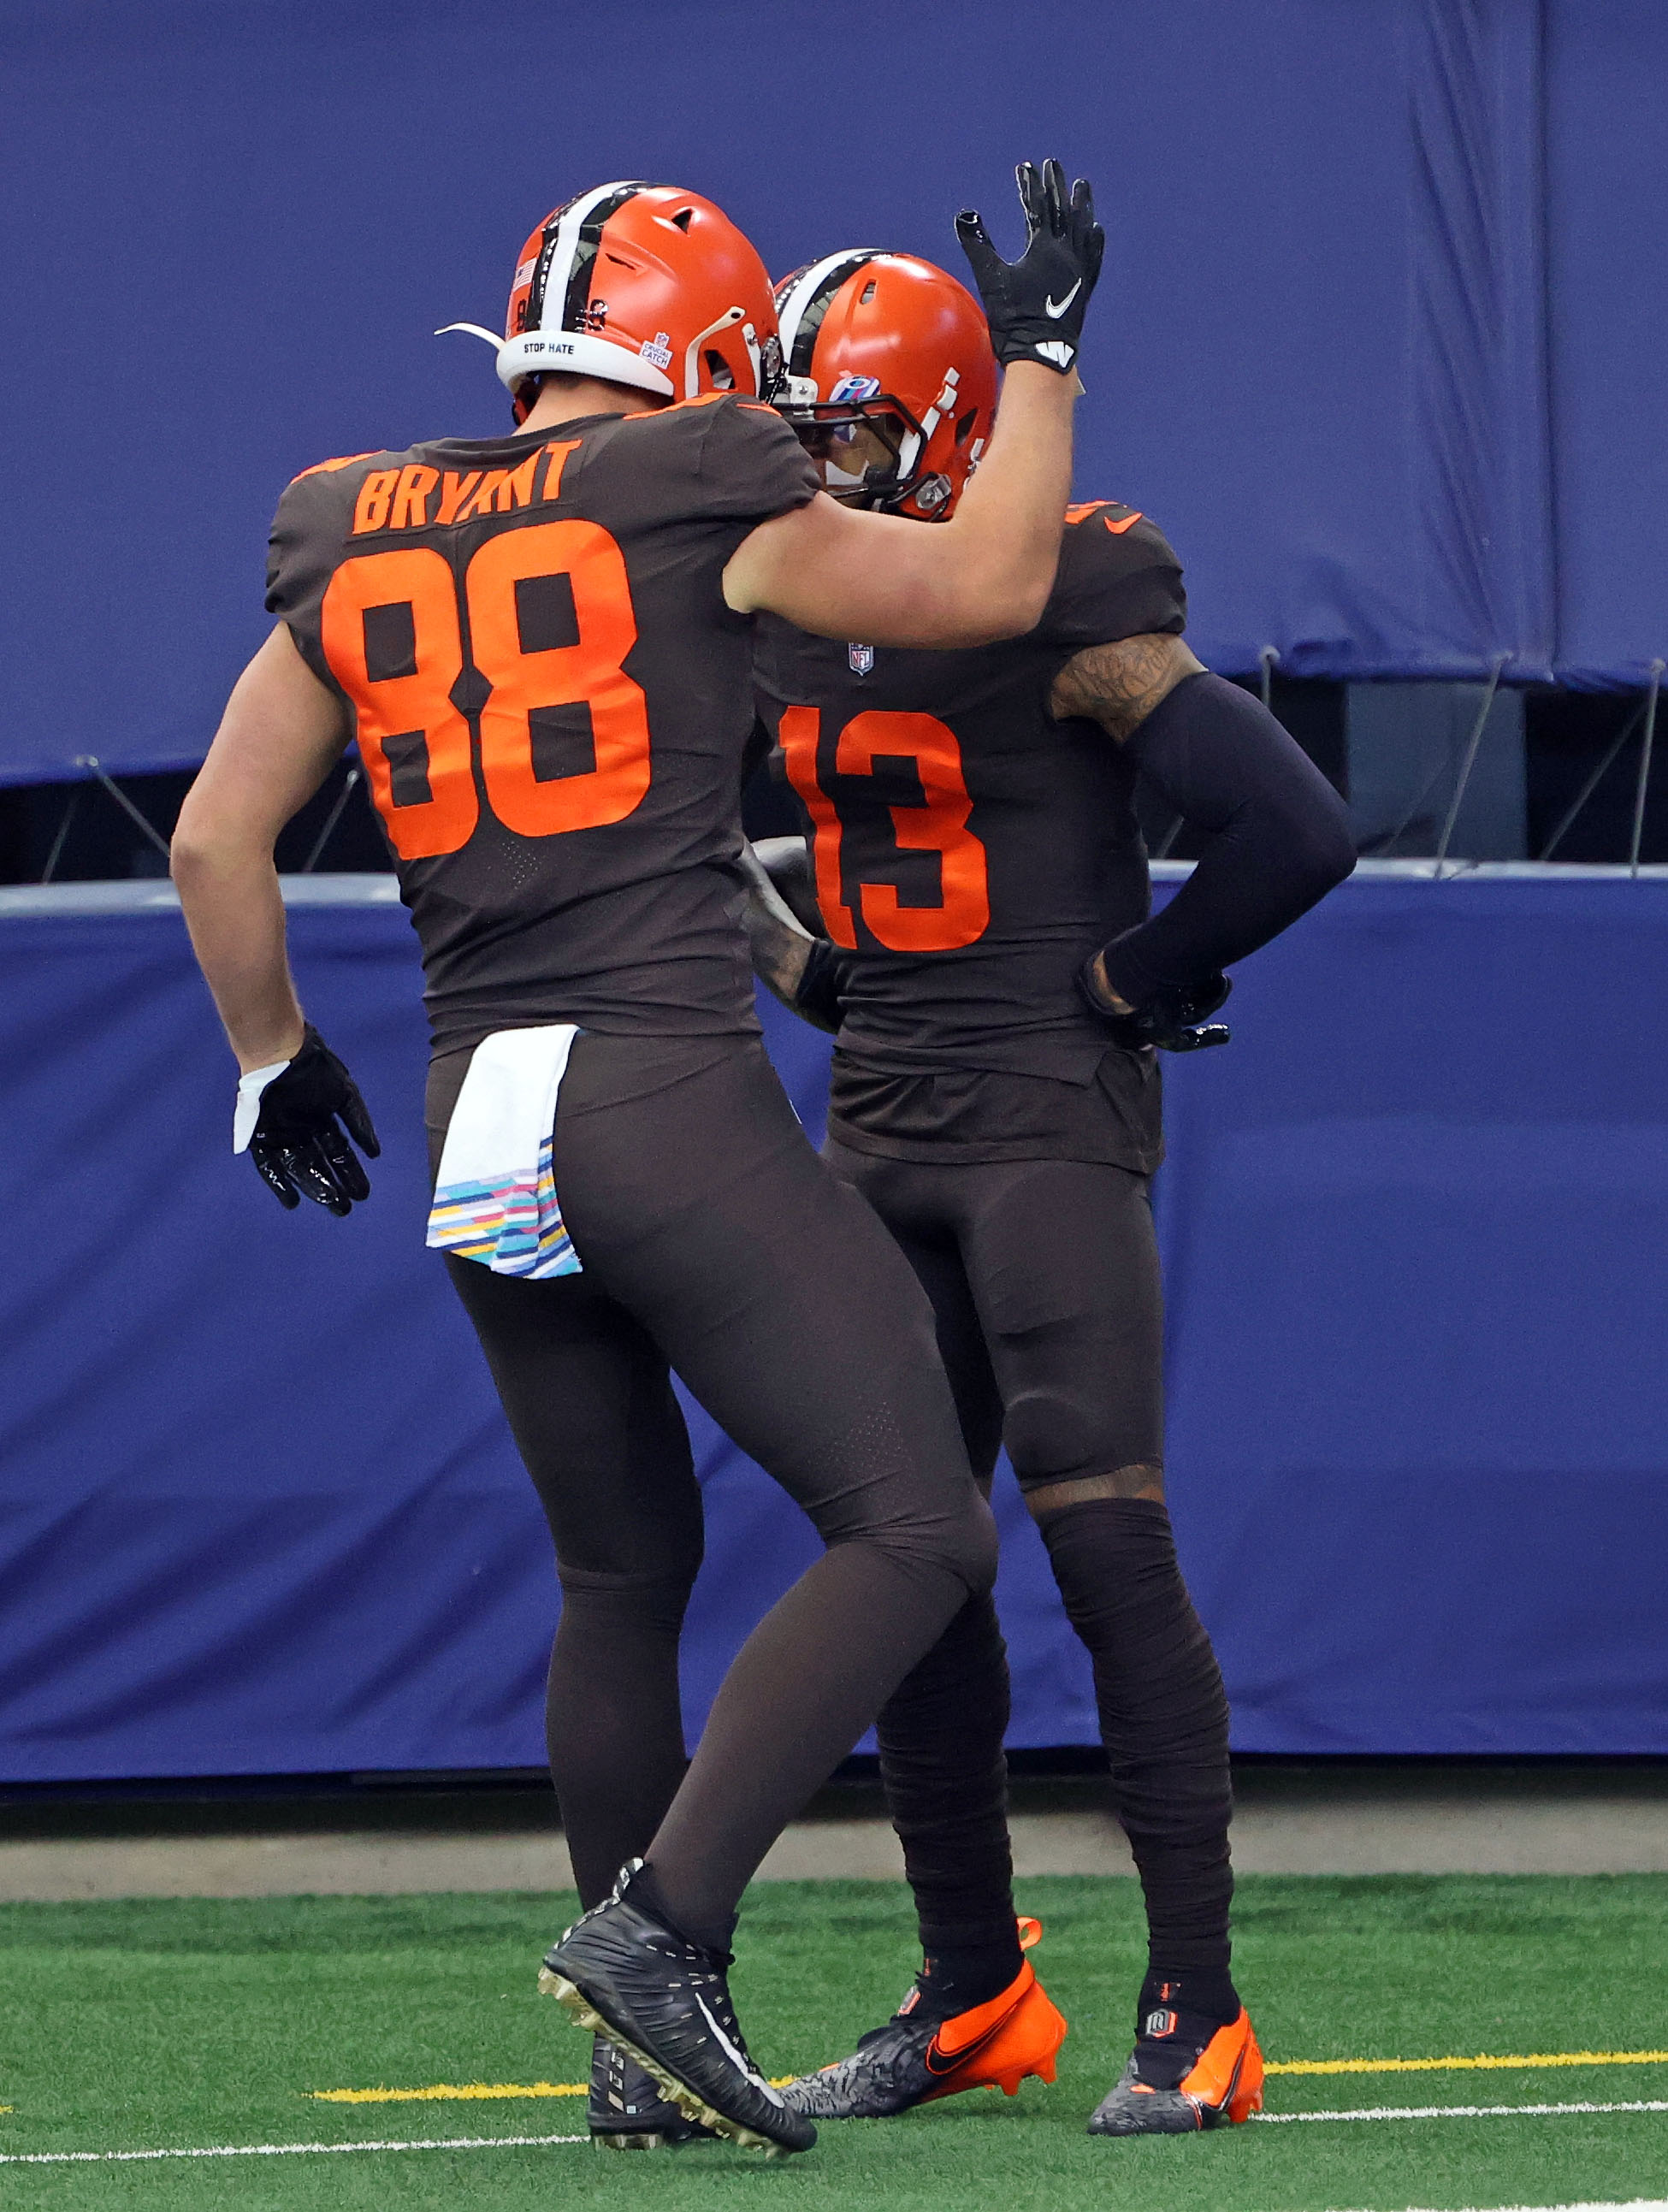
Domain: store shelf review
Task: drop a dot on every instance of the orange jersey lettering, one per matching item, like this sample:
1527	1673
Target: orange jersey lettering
370	509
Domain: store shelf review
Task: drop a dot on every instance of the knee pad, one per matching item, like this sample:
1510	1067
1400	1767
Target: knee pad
1058	1432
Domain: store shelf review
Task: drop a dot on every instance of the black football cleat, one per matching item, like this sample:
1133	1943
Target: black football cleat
667	2002
910	2062
1187	2072
627	2111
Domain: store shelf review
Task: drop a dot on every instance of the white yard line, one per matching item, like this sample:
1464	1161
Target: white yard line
278	2150
526	2142
1464	2113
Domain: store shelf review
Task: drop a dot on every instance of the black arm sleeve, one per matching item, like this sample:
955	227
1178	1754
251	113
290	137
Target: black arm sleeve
1280	835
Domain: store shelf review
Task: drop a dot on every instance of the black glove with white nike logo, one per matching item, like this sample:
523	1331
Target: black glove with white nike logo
286	1119
1035	305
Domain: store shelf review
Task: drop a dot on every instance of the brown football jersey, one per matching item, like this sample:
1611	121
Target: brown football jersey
970	850
552	702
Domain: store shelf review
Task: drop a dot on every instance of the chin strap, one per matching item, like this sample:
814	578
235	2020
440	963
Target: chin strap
520	408
475	331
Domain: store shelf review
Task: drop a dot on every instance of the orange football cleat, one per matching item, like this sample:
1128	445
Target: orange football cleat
1222	2087
910	2062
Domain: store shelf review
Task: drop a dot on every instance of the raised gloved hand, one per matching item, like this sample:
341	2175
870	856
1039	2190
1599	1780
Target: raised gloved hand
286	1119
1035	305
1175	1019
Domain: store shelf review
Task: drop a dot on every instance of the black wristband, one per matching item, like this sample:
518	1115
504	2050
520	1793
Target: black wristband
821	993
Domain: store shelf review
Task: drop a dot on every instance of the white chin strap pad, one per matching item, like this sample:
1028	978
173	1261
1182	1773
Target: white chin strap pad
535	353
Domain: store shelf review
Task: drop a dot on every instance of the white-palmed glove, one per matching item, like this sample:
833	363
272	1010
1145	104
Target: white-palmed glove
286	1119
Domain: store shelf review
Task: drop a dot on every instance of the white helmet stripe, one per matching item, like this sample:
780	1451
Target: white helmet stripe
815	281
560	271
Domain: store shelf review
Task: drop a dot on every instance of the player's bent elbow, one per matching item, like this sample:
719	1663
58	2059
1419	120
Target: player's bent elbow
194	870
1321	846
1334	845
1339	864
189	852
1012	617
1023	600
202	849
988	615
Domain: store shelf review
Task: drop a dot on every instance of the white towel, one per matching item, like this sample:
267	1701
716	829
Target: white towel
494	1197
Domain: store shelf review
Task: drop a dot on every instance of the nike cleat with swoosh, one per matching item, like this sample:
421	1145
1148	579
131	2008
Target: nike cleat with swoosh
910	2062
665	2002
1187	2073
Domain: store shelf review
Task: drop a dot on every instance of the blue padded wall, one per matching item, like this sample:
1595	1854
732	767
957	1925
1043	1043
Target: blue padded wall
258	1512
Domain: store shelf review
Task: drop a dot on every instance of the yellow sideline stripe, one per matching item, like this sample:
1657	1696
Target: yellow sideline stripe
1466	2065
444	2091
450	2090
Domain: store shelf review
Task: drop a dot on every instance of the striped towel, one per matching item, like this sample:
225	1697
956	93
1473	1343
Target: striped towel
494	1197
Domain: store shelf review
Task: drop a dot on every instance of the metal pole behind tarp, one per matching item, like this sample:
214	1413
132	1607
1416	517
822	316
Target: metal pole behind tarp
1469	761
1645	767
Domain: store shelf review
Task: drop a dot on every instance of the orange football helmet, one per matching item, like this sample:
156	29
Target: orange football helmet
640	285
889	379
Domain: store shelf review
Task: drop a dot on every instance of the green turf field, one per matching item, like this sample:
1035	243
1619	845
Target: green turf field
197	2024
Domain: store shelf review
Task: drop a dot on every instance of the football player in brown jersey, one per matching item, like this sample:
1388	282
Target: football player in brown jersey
978	891
541	644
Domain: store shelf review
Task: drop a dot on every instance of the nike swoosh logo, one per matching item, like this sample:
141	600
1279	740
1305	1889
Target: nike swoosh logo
734	2056
957	2058
1057	307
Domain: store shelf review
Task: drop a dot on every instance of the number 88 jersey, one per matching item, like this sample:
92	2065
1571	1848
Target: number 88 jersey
968	848
552	702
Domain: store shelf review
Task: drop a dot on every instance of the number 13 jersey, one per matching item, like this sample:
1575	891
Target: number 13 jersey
969	849
552	702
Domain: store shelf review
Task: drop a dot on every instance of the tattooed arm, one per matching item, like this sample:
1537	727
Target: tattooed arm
778	943
1119	685
805	972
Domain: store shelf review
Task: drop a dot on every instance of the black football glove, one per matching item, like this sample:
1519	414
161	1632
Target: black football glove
1035	305
297	1145
1175	1019
821	997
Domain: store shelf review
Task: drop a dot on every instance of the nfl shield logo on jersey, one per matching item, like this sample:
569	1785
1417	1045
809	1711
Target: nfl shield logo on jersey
861	658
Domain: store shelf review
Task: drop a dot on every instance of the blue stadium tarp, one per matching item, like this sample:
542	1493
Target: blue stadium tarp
1380	341
258	1512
